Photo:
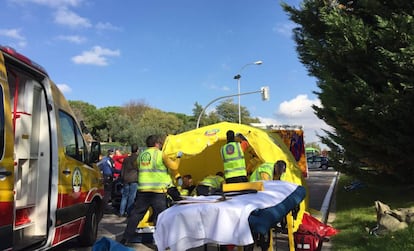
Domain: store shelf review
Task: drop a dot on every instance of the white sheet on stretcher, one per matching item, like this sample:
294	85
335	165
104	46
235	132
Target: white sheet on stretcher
184	226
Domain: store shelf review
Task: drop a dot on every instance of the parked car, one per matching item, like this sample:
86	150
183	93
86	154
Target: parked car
318	162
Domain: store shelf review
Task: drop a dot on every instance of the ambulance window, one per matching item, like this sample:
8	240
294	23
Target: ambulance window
73	142
1	122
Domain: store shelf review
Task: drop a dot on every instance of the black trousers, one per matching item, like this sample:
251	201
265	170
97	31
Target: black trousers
143	201
237	179
108	183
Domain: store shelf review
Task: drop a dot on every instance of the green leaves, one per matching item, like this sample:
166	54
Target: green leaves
362	54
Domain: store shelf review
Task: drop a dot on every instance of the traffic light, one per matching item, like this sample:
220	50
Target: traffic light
265	93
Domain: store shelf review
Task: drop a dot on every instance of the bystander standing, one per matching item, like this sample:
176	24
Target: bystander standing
107	168
129	177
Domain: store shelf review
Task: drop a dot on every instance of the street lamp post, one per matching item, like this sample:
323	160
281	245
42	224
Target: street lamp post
238	76
263	90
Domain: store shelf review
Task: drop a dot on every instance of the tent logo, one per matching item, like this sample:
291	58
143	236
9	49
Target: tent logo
211	132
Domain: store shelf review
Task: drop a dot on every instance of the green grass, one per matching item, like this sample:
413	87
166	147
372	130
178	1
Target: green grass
355	215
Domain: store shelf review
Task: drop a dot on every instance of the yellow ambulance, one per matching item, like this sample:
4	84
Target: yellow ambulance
50	187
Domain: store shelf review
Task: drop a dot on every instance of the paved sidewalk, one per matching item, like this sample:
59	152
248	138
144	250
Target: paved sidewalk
112	226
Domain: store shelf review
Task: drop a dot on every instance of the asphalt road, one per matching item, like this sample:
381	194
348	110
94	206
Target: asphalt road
112	226
319	182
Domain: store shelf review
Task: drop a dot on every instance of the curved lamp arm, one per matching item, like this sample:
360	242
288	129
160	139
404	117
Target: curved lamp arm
262	90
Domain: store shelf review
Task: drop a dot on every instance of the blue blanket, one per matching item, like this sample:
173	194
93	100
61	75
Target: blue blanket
262	220
106	244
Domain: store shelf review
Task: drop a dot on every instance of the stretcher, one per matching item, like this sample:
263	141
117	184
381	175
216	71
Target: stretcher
227	222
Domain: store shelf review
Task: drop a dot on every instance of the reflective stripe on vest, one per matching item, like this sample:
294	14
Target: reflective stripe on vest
233	158
266	168
212	181
152	174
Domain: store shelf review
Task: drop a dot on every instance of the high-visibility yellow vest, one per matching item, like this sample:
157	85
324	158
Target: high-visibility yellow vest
233	160
213	181
153	174
266	168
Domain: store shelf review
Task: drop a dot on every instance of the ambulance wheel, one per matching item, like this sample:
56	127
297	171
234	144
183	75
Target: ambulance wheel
90	230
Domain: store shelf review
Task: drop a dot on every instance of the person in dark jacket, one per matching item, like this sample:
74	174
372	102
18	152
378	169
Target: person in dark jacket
107	168
129	176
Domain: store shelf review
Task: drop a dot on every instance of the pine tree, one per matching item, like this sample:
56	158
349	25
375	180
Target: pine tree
362	55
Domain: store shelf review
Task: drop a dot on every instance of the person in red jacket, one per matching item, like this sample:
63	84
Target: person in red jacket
118	158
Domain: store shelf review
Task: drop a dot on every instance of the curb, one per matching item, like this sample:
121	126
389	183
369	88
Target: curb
326	205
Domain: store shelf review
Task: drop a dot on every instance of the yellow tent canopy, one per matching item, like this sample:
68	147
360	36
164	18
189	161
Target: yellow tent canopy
201	152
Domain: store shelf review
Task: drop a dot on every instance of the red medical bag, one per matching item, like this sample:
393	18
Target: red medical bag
307	241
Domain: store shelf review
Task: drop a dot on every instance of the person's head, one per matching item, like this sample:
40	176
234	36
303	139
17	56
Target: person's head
134	148
110	152
118	152
279	168
220	174
230	136
154	141
240	137
187	180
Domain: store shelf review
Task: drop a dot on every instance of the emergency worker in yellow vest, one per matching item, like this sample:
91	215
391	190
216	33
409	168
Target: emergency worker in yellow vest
155	172
263	172
210	184
233	160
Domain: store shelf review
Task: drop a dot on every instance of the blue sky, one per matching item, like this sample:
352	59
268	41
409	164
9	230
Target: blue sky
168	54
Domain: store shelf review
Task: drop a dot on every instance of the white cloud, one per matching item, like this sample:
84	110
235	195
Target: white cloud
52	3
213	86
298	111
300	106
14	34
96	56
21	44
64	88
107	26
284	28
69	18
73	39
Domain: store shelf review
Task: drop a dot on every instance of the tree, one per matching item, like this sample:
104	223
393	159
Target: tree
110	115
225	111
188	122
362	54
135	109
196	113
89	114
155	121
228	111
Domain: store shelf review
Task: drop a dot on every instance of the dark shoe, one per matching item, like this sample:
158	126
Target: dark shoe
123	241
125	215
